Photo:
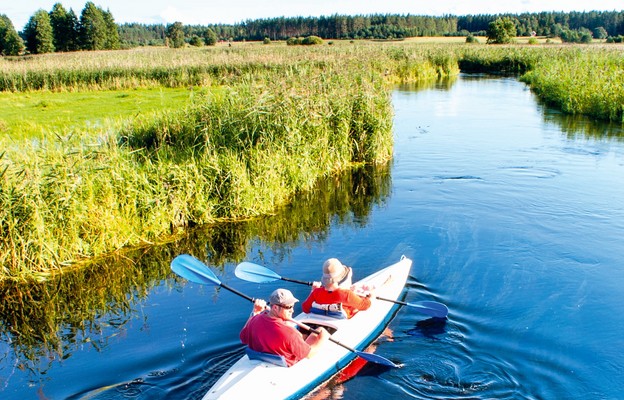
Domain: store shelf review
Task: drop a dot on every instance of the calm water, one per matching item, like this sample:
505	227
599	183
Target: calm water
514	217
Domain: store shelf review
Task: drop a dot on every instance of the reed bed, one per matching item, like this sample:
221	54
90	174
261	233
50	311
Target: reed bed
587	80
271	122
48	321
267	130
582	81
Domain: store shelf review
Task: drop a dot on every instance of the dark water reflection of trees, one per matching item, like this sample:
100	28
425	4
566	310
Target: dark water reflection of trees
47	321
576	126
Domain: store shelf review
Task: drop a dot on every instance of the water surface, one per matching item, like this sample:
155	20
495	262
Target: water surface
512	213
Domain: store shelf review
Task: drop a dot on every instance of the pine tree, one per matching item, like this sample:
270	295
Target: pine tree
64	27
38	33
112	37
93	29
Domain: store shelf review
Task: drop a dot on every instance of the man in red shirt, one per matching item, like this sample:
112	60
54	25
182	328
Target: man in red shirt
331	291
268	329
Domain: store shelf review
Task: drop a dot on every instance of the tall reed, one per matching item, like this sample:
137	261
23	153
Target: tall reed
245	149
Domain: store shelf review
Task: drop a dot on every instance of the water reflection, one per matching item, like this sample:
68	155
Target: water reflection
574	126
45	322
440	84
578	126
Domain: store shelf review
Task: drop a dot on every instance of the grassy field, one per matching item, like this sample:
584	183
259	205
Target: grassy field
32	114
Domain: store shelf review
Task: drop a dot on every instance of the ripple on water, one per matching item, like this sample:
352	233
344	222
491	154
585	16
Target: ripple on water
532	172
462	378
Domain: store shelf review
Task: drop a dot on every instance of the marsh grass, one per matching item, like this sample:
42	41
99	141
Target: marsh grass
582	81
239	150
47	321
271	121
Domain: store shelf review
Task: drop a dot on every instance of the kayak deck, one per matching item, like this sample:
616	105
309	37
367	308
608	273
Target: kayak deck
269	381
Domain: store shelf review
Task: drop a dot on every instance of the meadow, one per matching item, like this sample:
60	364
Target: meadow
105	151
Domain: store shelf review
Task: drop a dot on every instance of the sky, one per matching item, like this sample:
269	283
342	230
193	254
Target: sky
204	12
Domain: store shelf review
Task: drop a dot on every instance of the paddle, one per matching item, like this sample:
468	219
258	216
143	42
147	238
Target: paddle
256	273
192	269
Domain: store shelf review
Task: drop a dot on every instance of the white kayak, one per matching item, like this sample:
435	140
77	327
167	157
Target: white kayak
269	381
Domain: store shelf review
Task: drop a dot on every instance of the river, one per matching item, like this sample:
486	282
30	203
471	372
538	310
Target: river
512	212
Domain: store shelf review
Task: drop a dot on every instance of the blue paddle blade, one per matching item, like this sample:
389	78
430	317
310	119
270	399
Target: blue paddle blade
255	273
190	268
377	359
431	308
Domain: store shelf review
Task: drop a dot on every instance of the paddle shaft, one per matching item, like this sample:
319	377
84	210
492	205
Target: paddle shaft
231	289
259	274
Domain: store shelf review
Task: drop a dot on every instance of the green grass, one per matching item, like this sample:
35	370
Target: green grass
30	114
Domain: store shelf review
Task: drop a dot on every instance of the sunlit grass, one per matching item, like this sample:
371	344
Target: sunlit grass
31	114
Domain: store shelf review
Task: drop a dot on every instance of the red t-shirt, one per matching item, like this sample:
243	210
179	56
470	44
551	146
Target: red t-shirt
272	335
351	302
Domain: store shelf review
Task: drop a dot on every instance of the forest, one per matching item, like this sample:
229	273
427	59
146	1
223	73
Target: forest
61	30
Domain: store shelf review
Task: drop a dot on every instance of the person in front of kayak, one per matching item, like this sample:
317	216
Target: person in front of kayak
269	329
336	289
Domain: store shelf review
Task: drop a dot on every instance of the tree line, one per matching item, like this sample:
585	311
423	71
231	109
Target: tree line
62	30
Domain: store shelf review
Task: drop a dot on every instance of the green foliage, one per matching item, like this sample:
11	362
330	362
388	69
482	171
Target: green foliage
210	37
600	33
617	39
38	33
581	80
11	43
501	31
309	40
196	41
471	39
64	28
112	34
175	35
312	40
274	130
94	30
134	35
266	41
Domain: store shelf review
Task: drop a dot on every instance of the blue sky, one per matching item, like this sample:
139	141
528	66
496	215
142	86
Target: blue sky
204	12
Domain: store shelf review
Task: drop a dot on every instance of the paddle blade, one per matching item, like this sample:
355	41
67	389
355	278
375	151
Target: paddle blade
190	268
377	359
255	273
431	308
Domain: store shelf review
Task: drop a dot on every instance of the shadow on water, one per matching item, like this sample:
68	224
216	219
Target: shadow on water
45	322
429	328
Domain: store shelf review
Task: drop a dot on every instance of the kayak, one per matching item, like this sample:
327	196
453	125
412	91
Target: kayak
266	380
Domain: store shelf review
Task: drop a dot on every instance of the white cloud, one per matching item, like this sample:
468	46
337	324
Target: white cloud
171	14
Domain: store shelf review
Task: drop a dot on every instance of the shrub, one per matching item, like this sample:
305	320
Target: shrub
471	39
